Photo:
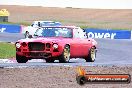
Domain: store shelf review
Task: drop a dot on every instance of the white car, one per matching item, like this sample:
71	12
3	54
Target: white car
30	30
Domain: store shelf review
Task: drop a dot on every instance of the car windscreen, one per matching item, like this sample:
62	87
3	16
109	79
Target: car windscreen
55	32
50	24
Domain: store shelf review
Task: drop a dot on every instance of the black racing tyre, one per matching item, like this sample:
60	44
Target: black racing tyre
92	55
21	59
49	60
65	56
81	80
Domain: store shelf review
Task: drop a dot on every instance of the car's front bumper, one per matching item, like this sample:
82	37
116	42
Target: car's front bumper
39	55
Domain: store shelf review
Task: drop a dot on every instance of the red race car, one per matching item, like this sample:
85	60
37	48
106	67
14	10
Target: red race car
56	43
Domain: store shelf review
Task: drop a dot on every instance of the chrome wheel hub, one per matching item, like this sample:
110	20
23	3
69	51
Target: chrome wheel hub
93	54
67	54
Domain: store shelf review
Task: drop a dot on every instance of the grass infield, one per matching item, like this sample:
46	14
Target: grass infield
82	26
7	50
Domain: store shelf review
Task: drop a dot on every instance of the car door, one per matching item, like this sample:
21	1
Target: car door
85	43
78	45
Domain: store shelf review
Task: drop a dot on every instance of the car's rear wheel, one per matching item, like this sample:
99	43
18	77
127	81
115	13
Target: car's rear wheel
21	59
49	60
65	57
92	55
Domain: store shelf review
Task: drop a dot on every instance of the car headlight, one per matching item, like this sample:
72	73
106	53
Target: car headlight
18	45
55	46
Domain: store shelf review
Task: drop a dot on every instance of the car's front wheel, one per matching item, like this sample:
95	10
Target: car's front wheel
65	57
21	59
92	55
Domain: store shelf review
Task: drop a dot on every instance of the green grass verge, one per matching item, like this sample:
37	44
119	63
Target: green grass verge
7	50
21	23
85	26
82	26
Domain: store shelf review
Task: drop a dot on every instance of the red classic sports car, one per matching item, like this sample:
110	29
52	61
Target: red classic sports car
56	43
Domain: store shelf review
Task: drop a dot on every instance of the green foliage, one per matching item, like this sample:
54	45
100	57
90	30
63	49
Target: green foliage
80	24
7	50
85	26
21	23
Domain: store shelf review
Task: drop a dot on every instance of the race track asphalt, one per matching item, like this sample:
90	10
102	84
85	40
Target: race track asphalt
10	37
110	52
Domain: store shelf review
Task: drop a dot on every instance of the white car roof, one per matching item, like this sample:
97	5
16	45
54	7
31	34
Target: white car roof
44	21
73	27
